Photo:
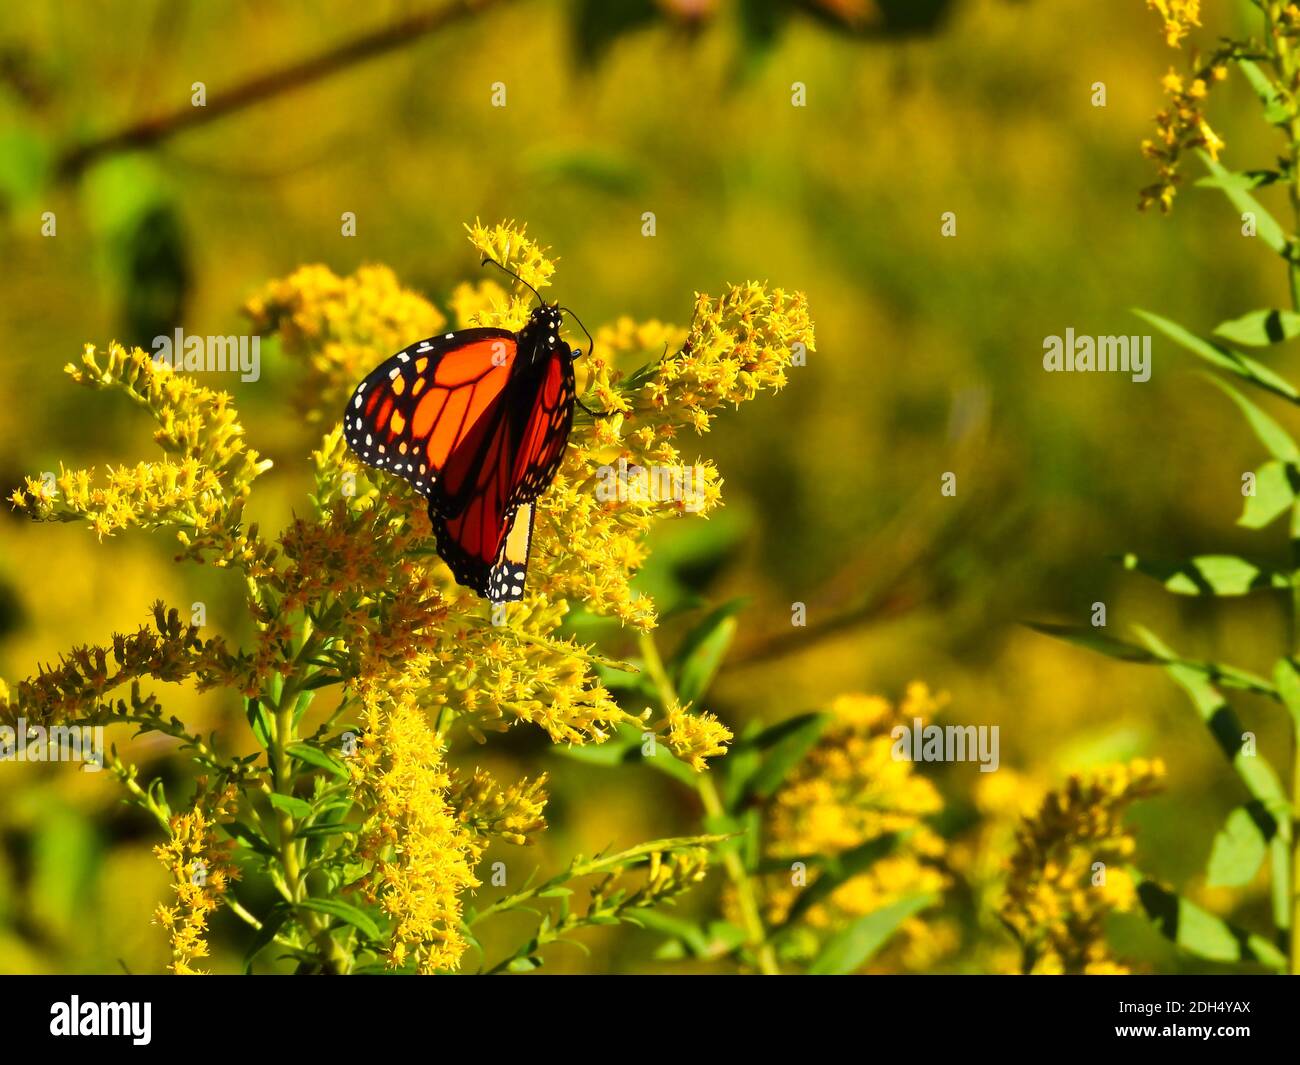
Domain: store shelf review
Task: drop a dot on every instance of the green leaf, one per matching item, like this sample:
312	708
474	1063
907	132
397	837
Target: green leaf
302	703
1225	575
1275	110
271	924
345	912
1235	187
157	791
1094	640
1234	362
856	945
1226	728
1276	439
526	965
619	749
260	721
1228	676
314	756
1286	677
1201	933
786	752
248	836
703	650
1274	495
836	869
1240	846
1258	329
687	933
624	748
290	805
734	771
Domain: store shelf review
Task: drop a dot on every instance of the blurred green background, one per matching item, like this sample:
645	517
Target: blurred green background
928	360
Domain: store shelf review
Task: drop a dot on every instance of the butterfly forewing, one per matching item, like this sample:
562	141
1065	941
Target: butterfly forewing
427	413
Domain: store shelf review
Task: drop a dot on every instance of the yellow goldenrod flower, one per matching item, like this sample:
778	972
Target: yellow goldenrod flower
201	872
420	854
490	811
352	593
340	328
848	791
1182	126
1179	16
200	491
695	737
1068	870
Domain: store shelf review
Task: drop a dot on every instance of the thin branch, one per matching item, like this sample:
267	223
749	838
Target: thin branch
151	131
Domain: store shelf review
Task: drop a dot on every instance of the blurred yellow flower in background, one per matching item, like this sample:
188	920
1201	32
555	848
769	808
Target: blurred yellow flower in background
1068	871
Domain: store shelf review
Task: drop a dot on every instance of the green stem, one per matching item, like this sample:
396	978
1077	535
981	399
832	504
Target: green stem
334	959
596	865
1284	64
1294	886
746	895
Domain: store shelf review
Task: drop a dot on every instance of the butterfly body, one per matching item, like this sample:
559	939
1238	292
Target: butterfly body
476	421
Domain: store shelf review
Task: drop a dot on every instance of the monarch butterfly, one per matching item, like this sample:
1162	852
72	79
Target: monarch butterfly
476	421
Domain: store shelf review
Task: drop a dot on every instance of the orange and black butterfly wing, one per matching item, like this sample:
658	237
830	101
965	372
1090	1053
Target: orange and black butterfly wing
429	413
486	544
500	579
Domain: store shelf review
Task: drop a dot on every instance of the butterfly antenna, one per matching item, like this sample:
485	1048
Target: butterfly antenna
591	344
504	270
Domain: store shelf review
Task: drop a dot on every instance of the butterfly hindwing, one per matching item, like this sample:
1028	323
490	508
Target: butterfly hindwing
500	578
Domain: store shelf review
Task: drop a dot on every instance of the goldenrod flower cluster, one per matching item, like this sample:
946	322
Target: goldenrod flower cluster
1179	17
201	872
335	325
695	737
848	791
1181	127
1068	871
201	486
74	689
512	814
666	876
420	852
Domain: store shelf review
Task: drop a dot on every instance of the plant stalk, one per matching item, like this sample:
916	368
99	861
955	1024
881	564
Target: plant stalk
746	897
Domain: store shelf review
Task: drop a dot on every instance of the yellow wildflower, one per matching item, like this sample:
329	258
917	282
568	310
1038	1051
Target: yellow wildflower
1179	15
1068	873
203	488
340	328
420	853
695	737
201	872
512	814
1180	127
848	791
